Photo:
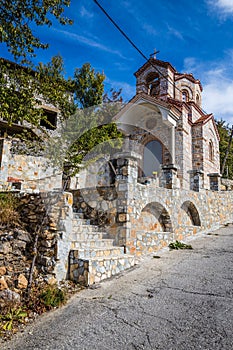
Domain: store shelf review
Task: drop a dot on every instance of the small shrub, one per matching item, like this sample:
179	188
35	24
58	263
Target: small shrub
179	245
52	297
9	216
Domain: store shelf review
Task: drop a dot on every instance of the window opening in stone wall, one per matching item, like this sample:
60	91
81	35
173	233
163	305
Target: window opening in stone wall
185	96
50	120
152	158
198	100
211	151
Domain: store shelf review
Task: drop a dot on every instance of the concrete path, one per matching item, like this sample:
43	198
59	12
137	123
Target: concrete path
181	301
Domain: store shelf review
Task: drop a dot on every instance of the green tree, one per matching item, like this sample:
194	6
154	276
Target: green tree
88	86
225	135
17	19
92	127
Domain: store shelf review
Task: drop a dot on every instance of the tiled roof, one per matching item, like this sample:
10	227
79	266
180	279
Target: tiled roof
203	119
189	76
152	62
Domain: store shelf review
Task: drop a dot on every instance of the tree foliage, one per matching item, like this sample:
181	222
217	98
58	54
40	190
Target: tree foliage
224	133
17	18
93	127
88	86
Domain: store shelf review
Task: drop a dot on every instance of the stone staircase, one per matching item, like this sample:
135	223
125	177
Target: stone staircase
93	257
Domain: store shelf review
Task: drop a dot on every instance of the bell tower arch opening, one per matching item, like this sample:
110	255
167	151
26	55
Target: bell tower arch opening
153	84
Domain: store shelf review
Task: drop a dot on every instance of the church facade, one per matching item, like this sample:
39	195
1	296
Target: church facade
167	126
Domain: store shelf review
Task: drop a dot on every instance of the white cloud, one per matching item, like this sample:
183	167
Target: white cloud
225	6
217	82
90	42
190	65
218	94
174	32
85	13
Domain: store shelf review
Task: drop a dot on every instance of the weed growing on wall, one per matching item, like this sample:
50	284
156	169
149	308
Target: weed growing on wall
9	216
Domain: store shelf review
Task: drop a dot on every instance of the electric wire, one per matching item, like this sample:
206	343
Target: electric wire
133	44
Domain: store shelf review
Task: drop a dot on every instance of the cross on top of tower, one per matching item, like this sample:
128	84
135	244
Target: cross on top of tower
153	55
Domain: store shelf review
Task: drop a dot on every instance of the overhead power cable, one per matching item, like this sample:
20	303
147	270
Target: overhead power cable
133	44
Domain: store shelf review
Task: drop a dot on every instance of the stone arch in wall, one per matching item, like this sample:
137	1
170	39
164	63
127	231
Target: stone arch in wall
192	212
161	214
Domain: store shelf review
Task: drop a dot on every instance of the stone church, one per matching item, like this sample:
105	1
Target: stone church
164	124
167	126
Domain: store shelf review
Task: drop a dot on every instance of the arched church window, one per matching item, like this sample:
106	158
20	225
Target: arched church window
185	96
211	151
152	158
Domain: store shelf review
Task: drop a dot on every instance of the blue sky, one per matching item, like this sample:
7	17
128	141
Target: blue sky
194	36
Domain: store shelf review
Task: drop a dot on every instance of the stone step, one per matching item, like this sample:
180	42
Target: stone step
89	228
94	270
79	221
92	243
87	253
103	268
83	235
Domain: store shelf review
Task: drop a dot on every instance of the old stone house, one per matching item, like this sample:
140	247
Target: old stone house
26	172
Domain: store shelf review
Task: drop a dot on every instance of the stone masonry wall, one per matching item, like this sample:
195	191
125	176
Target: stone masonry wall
34	173
145	217
46	214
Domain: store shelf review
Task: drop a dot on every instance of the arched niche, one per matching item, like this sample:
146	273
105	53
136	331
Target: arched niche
160	213
192	212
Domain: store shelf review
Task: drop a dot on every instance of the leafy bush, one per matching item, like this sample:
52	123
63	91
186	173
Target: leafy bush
179	245
12	316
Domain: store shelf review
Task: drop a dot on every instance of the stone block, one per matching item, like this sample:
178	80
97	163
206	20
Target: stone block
2	270
3	284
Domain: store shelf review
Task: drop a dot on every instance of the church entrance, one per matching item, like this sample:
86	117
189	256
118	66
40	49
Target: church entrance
152	158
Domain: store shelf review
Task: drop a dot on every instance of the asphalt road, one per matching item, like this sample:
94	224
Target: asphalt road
181	301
